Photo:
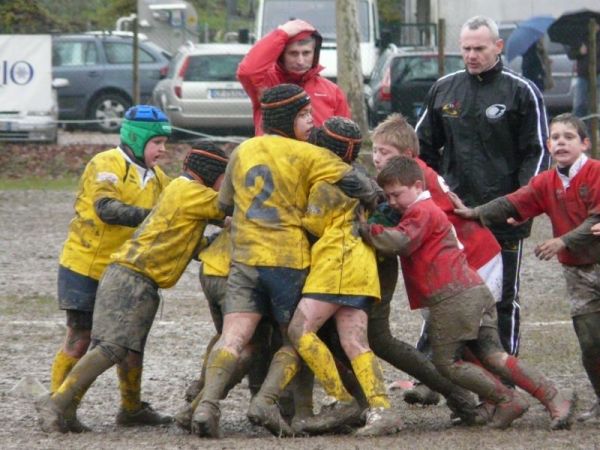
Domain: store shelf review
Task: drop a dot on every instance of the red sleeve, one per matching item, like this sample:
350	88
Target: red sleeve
528	200
253	70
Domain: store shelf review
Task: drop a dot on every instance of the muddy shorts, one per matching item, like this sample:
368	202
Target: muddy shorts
583	288
361	302
459	318
270	291
75	291
126	304
214	289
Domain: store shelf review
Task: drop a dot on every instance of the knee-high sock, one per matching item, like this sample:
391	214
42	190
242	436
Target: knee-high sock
284	366
220	369
320	360
61	366
370	376
130	386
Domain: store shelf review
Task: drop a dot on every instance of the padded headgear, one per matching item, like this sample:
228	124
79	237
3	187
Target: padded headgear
142	123
205	161
280	105
340	135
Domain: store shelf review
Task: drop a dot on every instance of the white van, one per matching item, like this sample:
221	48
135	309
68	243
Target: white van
321	14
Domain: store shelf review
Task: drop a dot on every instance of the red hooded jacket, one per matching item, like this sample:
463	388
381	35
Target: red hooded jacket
261	68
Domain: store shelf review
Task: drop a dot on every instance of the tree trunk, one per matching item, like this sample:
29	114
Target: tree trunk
349	70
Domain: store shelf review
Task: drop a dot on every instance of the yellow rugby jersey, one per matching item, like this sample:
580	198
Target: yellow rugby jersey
216	258
268	179
112	174
341	263
164	243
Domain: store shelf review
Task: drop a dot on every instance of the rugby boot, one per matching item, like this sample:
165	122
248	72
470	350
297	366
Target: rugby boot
183	417
380	422
341	414
421	395
205	421
560	406
266	413
73	424
464	408
509	410
592	414
50	418
146	415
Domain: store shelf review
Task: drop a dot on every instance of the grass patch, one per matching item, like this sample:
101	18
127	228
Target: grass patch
31	307
45	184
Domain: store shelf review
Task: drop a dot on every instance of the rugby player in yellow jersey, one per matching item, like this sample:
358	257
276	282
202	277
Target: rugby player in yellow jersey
267	183
342	284
116	192
127	297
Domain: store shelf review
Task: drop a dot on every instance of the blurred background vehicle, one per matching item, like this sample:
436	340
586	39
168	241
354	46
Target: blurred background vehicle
559	99
98	66
401	79
201	90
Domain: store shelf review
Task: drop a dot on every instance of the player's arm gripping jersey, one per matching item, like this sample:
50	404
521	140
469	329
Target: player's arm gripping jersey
216	258
91	241
165	242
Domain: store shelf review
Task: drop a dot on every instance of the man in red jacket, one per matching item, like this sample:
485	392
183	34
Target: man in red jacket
290	54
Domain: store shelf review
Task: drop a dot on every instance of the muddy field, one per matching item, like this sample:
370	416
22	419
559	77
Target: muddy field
34	225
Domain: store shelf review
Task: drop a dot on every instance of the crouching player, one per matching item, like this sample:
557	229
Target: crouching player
462	309
342	283
570	195
127	299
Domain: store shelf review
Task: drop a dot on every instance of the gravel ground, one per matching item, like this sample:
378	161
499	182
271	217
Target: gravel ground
34	225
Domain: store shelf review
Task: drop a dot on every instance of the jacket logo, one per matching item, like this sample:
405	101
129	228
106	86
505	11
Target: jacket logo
495	111
451	109
584	191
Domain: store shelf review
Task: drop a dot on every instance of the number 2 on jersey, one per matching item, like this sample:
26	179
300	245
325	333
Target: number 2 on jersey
258	209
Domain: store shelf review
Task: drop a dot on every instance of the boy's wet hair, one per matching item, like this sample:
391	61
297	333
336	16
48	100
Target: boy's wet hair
280	105
340	135
205	162
576	122
402	170
397	132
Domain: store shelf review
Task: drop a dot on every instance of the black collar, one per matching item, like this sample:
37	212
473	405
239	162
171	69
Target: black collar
491	73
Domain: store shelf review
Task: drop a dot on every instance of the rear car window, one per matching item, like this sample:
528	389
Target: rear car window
122	53
212	68
423	67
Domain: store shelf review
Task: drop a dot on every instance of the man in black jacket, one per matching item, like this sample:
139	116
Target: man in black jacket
484	130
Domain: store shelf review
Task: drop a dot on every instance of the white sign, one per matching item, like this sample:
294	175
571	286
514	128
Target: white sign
25	72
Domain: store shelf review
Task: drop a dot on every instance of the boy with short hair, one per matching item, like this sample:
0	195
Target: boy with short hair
462	309
395	137
128	298
570	195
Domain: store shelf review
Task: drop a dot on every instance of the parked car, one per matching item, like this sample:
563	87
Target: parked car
31	123
99	67
201	90
559	99
401	79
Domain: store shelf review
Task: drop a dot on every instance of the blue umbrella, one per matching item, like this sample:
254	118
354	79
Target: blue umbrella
526	34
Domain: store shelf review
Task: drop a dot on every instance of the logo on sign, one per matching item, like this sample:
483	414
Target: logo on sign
19	73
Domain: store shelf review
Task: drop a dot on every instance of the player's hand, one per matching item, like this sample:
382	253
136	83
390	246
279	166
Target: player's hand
596	229
227	222
514	222
546	250
466	213
456	201
296	26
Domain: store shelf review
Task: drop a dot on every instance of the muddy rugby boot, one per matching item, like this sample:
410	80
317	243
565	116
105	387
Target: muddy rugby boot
561	407
592	414
508	411
380	422
73	424
205	421
262	412
334	418
183	417
146	415
50	417
464	408
421	395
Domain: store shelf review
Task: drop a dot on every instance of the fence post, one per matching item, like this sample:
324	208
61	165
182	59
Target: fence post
441	47
136	65
593	92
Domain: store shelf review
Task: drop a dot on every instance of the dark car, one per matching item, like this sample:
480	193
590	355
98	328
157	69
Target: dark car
401	79
99	68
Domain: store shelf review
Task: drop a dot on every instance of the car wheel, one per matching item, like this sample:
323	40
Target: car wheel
109	110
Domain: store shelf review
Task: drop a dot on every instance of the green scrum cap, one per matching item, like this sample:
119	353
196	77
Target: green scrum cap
142	123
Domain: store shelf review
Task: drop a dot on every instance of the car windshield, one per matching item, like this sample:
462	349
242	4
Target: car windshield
321	14
423	67
212	68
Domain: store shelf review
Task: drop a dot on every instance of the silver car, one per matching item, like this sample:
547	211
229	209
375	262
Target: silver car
201	91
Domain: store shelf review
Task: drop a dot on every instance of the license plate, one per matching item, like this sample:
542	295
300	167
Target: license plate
4	126
227	93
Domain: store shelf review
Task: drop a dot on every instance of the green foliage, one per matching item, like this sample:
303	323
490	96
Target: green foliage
26	16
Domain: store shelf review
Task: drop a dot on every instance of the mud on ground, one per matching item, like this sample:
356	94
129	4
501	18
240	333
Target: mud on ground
34	225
